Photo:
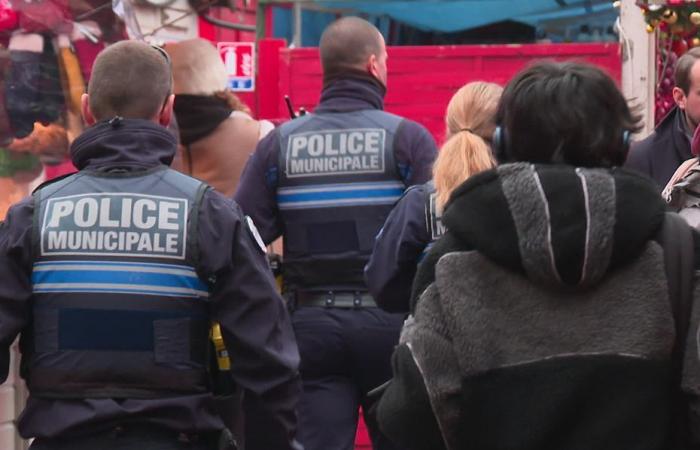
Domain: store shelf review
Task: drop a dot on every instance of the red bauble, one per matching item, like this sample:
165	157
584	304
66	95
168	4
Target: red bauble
680	46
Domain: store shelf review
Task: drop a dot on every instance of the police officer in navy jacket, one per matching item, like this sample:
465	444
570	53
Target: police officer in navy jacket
415	223
326	182
407	235
113	276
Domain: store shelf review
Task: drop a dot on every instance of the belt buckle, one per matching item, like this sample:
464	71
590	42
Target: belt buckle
116	432
330	299
357	300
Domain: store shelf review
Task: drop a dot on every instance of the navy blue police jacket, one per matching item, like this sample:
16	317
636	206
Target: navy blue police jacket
254	321
407	235
413	152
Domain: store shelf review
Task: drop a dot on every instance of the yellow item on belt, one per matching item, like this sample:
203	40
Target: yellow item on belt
222	358
279	283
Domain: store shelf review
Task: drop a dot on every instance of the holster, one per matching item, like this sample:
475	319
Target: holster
227	441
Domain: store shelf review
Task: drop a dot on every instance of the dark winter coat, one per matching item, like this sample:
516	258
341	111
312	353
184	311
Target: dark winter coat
542	319
254	321
659	155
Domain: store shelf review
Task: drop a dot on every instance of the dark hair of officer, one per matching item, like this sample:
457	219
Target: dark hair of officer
348	43
684	66
130	79
571	113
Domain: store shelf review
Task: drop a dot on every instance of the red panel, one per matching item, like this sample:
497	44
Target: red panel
268	76
423	79
206	30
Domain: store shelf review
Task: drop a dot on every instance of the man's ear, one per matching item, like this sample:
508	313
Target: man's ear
679	97
166	113
372	66
88	117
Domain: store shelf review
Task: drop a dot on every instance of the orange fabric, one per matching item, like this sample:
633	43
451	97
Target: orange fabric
73	89
71	78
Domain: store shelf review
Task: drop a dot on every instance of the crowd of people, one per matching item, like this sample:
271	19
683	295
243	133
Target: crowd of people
527	286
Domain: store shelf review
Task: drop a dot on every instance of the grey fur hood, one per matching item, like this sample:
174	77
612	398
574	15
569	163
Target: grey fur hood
561	226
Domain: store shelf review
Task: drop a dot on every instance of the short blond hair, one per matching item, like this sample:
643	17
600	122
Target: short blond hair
470	122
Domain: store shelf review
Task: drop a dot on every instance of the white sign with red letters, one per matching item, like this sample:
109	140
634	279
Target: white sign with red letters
239	59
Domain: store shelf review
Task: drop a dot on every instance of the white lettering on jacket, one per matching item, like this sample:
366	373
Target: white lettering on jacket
333	152
115	223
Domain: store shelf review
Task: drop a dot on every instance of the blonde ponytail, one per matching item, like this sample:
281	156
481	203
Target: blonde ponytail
463	155
470	121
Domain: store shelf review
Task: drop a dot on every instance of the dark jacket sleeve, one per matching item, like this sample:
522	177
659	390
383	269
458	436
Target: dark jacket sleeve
397	249
15	277
691	362
257	190
415	152
639	157
404	411
254	323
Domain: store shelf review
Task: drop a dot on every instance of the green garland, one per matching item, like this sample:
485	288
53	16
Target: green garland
675	17
13	162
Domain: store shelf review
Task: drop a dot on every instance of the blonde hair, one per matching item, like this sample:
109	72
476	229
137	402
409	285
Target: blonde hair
470	121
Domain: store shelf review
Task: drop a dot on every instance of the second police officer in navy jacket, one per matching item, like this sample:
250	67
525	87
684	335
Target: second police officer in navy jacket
414	223
326	182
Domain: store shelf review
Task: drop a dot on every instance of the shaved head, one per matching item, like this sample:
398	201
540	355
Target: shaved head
130	79
348	43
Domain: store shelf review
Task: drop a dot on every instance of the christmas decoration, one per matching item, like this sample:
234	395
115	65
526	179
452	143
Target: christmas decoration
671	16
695	18
676	25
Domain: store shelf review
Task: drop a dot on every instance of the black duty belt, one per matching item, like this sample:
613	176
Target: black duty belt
335	299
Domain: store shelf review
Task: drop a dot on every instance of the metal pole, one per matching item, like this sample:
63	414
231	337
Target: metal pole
638	62
260	20
296	36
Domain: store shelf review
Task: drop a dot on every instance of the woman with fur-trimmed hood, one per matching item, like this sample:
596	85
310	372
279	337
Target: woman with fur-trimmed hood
217	133
553	312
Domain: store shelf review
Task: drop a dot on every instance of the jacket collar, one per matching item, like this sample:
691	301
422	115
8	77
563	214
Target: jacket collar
673	126
351	92
134	144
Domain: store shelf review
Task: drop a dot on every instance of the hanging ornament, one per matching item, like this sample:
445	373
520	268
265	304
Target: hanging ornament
695	41
679	46
695	18
670	17
650	28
